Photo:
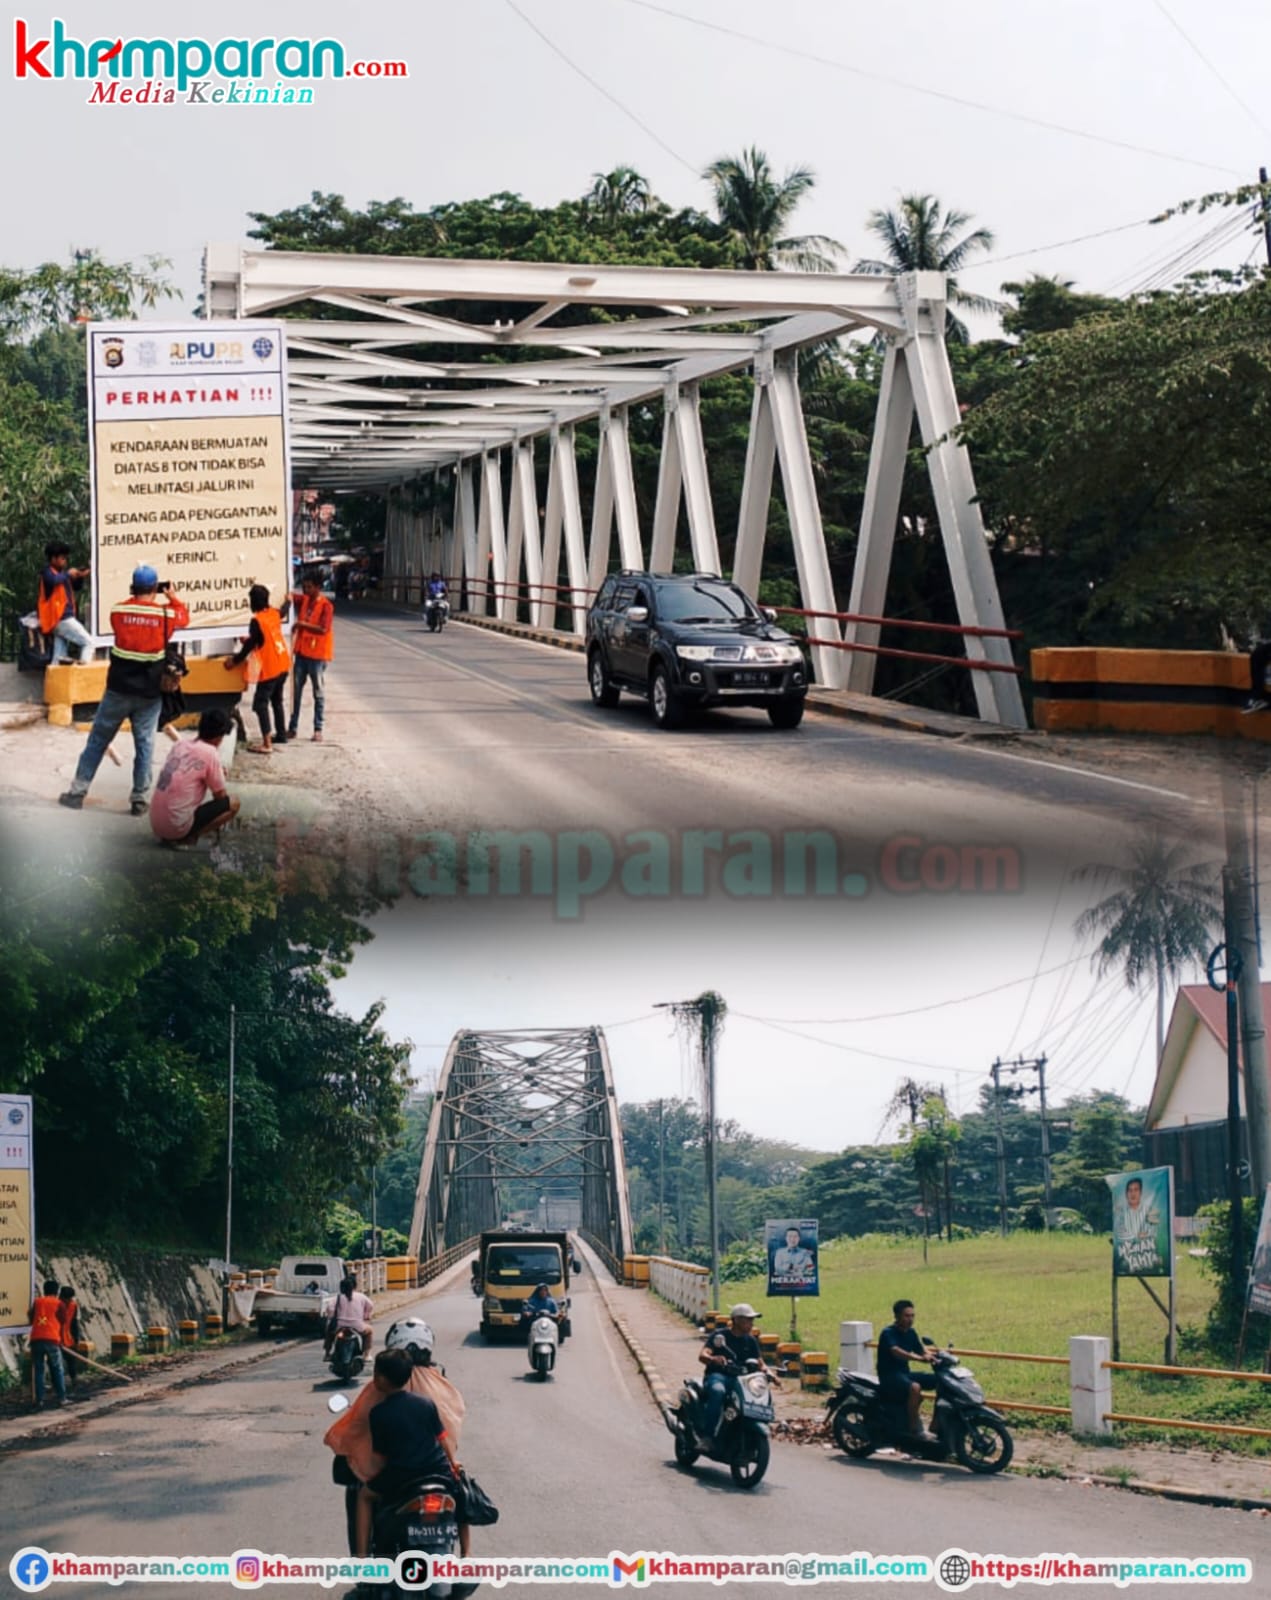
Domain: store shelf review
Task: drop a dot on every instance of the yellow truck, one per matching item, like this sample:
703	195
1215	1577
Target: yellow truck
512	1265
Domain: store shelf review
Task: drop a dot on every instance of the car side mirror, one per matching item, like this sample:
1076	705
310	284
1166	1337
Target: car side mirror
769	615
637	613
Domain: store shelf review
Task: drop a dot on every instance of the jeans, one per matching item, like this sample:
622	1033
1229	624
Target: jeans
716	1389
43	1350
1259	660
71	631
143	712
308	671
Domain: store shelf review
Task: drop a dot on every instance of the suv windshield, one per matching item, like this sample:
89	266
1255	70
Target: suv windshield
524	1264
704	602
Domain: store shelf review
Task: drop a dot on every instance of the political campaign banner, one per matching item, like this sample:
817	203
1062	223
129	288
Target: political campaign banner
17	1213
792	1256
1143	1223
190	476
1260	1276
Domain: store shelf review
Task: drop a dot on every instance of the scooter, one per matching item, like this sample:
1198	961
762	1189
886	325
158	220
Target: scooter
543	1342
436	612
861	1421
345	1359
742	1441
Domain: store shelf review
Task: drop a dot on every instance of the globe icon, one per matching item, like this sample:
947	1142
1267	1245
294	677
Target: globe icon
955	1570
263	347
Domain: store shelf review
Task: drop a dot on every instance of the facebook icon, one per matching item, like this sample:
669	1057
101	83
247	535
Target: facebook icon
30	1570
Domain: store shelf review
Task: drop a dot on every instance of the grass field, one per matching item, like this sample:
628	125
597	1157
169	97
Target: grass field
1025	1294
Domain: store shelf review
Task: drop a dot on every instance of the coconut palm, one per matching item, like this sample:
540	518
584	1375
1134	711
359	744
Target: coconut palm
755	207
920	236
624	192
1160	917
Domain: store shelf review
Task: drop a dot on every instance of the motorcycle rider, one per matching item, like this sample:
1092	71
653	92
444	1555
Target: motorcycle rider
350	1435
542	1303
436	587
739	1346
476	1273
353	1310
897	1347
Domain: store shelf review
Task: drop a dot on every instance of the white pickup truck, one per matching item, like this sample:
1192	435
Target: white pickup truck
302	1297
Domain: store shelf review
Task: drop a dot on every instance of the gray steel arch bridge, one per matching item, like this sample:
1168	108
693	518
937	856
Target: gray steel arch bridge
520	1116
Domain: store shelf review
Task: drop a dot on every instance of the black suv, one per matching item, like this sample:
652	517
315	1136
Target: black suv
690	641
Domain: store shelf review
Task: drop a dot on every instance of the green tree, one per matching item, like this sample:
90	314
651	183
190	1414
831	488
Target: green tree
624	192
1160	916
1048	304
1097	1148
921	236
755	208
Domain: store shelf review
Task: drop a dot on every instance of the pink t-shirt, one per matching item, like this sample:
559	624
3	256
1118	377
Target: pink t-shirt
190	772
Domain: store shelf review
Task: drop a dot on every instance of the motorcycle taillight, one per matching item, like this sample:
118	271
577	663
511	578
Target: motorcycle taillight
432	1505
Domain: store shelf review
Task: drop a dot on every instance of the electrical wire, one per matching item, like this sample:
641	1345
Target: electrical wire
1200	227
601	90
922	89
1060	244
1134	1065
1200	54
857	1050
911	1011
1190	260
1059	894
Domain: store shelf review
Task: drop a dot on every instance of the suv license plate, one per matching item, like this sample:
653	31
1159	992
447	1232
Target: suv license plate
750	680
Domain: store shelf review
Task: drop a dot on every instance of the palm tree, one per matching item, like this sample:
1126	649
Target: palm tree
755	207
1161	916
920	236
621	193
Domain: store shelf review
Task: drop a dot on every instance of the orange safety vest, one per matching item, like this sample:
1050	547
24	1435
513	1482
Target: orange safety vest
274	656
45	1322
143	624
315	646
52	608
70	1310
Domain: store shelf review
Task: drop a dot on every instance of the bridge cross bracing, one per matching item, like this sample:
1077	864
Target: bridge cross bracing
520	1109
411	373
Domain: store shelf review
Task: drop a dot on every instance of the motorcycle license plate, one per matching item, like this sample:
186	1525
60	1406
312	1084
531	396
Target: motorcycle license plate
432	1535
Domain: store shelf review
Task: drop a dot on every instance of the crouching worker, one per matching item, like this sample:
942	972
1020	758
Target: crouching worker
408	1433
190	798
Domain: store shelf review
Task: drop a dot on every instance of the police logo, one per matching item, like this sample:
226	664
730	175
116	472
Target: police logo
263	348
113	352
148	353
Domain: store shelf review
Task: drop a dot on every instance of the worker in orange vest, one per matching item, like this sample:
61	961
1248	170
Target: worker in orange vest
69	1314
142	626
55	604
271	662
45	1342
314	643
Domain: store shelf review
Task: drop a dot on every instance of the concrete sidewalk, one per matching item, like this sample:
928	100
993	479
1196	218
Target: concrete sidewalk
665	1345
183	1368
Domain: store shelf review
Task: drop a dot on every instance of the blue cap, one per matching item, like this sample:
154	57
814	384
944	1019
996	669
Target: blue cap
145	578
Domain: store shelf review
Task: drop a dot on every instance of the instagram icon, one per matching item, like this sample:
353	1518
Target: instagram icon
247	1569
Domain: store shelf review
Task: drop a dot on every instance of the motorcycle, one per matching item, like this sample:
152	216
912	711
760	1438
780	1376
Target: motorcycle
742	1441
436	612
345	1359
543	1341
424	1519
861	1421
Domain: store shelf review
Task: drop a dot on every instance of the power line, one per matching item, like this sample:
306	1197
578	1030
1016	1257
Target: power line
1041	954
917	88
857	1050
1060	244
601	90
1200	54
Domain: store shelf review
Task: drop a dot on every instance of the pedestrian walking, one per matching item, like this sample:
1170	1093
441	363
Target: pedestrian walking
142	626
267	648
55	604
69	1314
45	1342
313	642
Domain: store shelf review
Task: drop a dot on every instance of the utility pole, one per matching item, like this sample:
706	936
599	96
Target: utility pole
1230	962
229	1160
661	1180
1266	215
1241	934
1001	1146
705	1016
1040	1065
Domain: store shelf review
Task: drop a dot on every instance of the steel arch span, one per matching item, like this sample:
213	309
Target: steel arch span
520	1115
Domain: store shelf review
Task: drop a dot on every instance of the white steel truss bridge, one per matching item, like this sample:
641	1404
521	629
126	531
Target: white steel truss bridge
439	382
520	1115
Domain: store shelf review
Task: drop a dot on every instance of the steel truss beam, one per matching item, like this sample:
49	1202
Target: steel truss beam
378	398
515	1109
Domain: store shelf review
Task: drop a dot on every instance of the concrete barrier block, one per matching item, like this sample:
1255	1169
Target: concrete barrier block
853	1340
1090	1384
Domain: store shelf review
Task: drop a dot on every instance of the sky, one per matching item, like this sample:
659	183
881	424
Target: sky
536	95
797	1061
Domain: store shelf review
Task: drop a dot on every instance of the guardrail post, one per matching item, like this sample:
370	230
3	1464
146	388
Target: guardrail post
1090	1383
854	1338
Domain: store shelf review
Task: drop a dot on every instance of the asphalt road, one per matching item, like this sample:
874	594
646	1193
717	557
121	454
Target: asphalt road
579	1466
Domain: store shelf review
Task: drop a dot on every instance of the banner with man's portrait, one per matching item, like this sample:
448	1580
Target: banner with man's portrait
792	1256
1143	1223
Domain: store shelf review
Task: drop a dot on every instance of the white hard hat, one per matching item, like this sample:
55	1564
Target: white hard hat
413	1335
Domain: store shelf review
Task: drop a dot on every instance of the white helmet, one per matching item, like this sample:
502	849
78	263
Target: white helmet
413	1335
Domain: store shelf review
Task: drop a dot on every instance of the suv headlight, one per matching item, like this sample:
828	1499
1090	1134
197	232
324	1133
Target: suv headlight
695	652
